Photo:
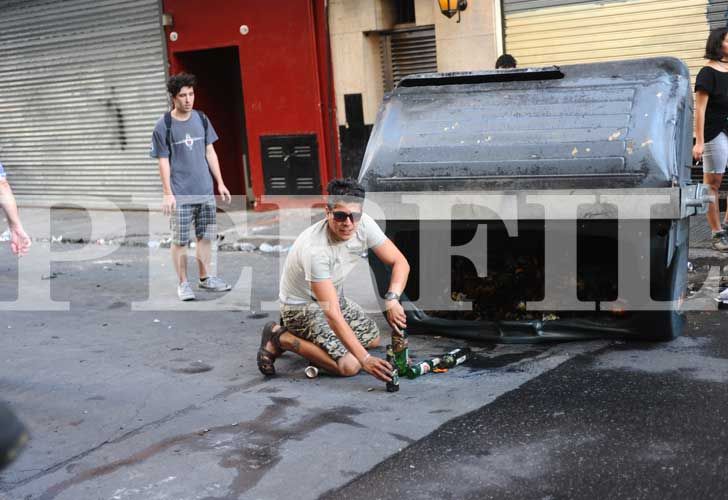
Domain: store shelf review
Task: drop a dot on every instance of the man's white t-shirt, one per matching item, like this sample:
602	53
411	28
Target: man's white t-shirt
314	256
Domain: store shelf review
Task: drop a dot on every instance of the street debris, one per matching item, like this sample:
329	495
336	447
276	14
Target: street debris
722	298
5	236
311	371
50	276
257	315
163	243
244	247
193	368
268	248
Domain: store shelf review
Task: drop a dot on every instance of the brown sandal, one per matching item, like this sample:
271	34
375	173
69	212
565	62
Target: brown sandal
265	358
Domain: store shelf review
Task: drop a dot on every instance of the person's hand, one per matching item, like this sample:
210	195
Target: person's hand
224	193
377	368
396	317
168	204
19	240
698	152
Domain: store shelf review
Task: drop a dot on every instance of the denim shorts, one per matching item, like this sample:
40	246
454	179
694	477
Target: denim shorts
202	215
715	155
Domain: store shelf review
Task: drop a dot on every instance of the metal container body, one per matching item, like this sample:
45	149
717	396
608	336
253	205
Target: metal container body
621	127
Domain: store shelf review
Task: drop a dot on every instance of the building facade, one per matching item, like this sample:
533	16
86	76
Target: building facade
546	32
293	87
375	43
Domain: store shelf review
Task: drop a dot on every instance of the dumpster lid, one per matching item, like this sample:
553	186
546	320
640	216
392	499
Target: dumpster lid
475	77
617	124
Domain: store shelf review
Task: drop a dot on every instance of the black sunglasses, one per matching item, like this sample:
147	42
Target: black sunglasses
340	216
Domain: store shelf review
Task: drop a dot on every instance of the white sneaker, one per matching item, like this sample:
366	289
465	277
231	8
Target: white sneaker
720	242
184	291
213	284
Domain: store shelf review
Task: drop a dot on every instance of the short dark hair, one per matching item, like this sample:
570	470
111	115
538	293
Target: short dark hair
346	190
505	61
176	82
713	47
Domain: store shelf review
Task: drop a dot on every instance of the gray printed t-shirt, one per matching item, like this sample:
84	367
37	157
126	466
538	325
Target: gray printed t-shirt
189	173
315	257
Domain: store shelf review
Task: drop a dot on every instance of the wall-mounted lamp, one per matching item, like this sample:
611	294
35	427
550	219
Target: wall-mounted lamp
167	19
451	7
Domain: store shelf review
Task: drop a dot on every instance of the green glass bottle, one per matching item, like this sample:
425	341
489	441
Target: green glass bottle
455	357
419	369
392	385
400	347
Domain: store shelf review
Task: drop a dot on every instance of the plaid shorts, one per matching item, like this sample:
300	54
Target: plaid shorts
202	214
309	322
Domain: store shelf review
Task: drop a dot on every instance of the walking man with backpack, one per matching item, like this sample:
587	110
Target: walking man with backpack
182	143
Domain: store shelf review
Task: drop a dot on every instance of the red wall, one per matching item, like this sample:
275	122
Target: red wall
284	63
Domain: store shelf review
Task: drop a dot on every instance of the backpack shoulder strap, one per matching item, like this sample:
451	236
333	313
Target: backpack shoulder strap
205	123
168	134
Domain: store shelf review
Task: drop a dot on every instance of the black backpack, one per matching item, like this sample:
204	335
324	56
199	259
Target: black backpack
168	125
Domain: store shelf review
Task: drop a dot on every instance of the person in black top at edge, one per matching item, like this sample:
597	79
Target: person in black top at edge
711	125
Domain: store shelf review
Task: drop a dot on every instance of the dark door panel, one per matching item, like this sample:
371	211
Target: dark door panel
291	164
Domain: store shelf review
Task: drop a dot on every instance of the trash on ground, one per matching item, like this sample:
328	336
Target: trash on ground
311	371
193	368
245	247
268	248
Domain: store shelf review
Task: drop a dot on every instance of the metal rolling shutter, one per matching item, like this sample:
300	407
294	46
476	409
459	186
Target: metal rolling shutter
82	83
545	32
406	52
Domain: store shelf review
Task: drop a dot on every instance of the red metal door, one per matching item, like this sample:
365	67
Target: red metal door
284	69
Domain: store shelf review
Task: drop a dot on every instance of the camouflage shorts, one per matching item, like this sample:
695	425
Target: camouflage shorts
309	323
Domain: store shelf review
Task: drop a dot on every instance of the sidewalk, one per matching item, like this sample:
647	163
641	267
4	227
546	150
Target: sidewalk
238	230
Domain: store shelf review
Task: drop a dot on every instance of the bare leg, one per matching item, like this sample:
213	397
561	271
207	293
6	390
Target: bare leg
714	180
346	366
179	259
310	351
202	252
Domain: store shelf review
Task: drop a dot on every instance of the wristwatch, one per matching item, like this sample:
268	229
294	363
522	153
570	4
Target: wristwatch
391	296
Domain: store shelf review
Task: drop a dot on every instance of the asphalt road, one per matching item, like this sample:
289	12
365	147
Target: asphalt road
130	394
636	421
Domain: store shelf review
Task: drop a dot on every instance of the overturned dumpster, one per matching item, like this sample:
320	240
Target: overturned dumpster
539	204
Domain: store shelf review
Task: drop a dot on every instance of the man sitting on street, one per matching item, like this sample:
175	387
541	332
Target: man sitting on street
319	322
